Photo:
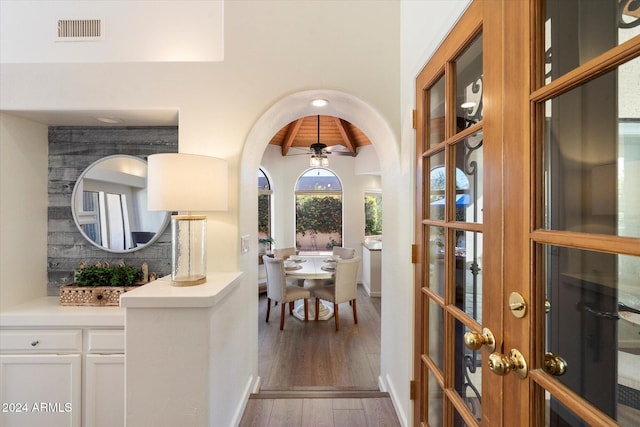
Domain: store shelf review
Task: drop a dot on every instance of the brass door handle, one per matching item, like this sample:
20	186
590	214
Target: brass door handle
501	364
474	340
554	364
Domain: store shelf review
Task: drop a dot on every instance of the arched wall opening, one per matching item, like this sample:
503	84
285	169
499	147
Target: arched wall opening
281	113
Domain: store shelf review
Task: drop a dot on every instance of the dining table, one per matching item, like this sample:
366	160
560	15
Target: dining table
311	268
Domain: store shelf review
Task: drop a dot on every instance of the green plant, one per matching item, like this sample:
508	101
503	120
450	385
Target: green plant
266	240
318	214
263	213
106	275
332	243
372	215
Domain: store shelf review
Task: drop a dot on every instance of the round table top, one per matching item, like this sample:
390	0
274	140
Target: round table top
312	268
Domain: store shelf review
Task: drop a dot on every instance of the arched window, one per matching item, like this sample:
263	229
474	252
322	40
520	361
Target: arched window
318	211
264	212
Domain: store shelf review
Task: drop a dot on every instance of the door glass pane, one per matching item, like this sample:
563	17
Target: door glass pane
469	85
556	414
436	113
468	273
435	398
436	334
436	259
469	170
457	420
577	31
592	156
468	373
594	325
437	184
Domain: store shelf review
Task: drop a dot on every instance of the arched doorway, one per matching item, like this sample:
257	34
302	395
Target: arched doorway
286	110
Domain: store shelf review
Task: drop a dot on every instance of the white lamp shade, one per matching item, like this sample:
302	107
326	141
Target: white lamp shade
187	182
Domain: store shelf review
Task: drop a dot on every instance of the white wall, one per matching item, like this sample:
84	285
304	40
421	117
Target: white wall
423	26
29	29
23	210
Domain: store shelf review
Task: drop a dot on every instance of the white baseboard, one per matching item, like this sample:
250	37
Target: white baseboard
253	386
387	386
367	289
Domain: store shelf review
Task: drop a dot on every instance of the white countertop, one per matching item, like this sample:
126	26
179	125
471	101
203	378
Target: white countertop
47	312
373	246
160	293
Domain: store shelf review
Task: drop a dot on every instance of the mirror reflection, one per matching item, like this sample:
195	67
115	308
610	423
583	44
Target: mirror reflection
109	205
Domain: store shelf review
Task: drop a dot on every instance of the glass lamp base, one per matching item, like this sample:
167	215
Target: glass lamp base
188	250
190	282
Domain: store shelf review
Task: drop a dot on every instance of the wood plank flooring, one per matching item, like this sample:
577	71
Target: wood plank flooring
363	412
312	375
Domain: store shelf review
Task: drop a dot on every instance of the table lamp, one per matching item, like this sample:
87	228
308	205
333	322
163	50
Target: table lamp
179	182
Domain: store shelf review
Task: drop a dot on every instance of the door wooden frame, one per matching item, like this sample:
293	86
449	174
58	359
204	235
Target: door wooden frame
514	88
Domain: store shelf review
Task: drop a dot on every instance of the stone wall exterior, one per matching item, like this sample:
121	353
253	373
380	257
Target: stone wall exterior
71	150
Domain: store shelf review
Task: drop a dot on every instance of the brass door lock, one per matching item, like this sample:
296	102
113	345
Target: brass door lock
517	305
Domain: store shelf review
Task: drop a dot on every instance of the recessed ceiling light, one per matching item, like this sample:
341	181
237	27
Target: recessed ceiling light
319	102
109	120
469	104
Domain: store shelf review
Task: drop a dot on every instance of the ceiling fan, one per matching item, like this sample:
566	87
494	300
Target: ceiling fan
319	151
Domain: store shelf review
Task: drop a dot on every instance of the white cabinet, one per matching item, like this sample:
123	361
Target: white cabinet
104	390
103	385
371	261
37	388
61	366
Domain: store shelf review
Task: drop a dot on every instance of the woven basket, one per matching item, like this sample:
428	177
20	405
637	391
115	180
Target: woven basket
93	296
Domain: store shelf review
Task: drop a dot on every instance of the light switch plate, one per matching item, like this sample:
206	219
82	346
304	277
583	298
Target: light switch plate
245	244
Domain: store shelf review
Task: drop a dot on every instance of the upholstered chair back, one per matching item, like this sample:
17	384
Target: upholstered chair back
344	253
276	280
346	279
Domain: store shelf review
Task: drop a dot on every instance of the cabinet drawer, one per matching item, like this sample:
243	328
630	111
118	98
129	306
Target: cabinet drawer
38	340
105	341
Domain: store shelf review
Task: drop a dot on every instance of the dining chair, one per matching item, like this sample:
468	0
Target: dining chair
343	289
279	291
344	253
284	253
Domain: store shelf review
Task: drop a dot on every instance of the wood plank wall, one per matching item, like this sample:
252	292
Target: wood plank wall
71	150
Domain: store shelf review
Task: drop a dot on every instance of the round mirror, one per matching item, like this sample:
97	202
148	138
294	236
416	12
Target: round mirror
109	205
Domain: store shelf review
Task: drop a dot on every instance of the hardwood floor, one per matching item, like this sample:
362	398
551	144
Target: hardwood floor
312	375
363	412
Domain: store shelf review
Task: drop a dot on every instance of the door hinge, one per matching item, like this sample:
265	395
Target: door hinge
412	390
414	113
414	254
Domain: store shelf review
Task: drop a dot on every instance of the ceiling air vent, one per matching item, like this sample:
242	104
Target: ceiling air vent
80	29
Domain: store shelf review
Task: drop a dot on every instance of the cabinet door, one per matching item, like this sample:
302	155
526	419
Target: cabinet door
104	390
40	390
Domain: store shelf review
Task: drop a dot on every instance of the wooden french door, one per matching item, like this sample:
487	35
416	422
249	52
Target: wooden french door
528	217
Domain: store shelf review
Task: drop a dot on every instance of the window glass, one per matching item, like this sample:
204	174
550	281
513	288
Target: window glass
577	31
469	85
592	325
436	113
372	214
264	212
318	211
469	178
592	155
